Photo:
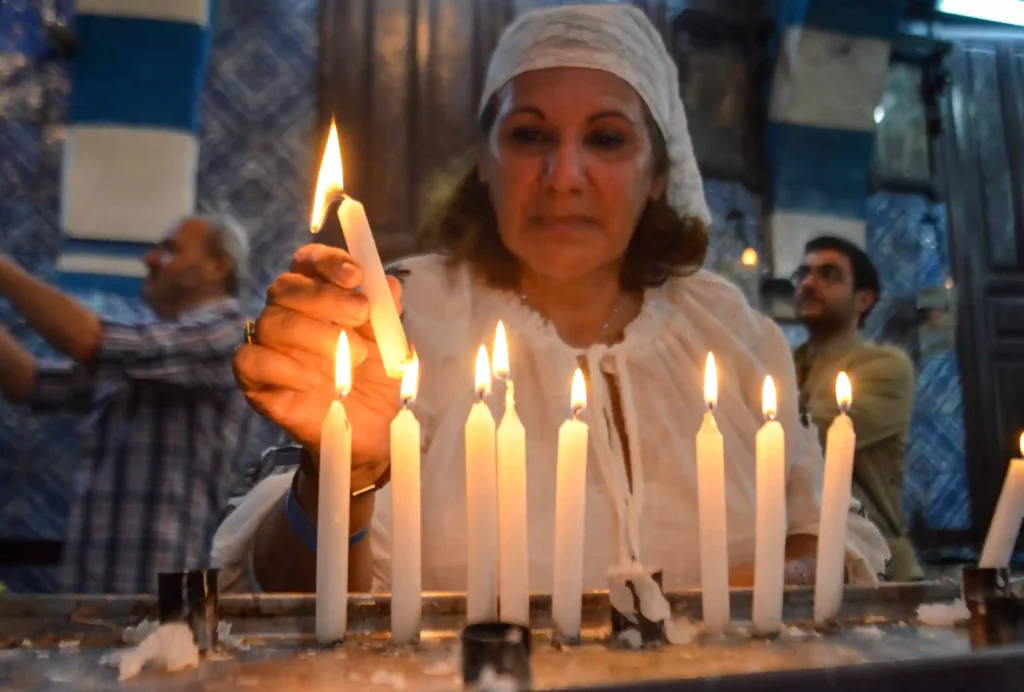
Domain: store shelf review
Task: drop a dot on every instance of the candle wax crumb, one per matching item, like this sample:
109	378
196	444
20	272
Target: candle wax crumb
871	632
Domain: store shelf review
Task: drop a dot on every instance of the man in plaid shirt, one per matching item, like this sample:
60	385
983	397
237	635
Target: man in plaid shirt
166	422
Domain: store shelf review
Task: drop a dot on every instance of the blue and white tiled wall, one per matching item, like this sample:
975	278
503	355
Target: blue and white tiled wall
255	161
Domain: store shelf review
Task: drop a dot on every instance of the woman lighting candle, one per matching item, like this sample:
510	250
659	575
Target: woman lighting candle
581	224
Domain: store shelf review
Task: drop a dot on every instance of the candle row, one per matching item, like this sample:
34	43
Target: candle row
770	516
496	503
496	499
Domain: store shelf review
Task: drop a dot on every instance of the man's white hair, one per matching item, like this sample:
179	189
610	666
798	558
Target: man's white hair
229	239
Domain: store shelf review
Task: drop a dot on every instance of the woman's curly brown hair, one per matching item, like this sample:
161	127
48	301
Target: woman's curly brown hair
460	223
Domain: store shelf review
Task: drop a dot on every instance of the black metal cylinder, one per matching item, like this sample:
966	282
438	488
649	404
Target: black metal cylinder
191	597
501	647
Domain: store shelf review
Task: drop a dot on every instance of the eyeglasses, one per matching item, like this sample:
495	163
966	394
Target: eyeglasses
825	273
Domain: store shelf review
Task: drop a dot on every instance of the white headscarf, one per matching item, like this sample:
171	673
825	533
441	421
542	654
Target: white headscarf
618	39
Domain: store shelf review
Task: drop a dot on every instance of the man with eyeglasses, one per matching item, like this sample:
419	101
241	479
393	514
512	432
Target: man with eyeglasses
837	286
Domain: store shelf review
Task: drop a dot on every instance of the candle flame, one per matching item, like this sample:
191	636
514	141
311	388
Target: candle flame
1022	444
844	391
749	258
410	380
711	381
330	182
499	364
578	399
769	403
483	373
342	367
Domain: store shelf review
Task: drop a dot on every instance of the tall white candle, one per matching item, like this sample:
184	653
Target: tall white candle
387	326
406	568
714	545
513	558
481	504
332	510
1005	526
570	518
840	445
770	538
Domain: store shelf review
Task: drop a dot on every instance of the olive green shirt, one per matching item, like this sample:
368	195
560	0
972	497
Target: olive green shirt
883	399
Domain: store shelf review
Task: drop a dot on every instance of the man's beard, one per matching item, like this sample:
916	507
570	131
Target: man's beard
169	293
830	320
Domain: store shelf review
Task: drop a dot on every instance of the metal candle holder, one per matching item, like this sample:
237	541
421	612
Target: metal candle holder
499	646
997	612
191	597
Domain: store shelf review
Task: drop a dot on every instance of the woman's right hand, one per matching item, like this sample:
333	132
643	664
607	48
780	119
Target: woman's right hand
287	373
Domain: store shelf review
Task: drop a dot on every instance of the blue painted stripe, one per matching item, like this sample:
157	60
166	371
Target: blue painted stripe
74	282
819	170
863	18
109	248
138	72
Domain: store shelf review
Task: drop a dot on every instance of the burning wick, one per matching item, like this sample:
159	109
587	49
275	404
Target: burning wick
711	383
330	184
483	374
579	395
844	392
410	381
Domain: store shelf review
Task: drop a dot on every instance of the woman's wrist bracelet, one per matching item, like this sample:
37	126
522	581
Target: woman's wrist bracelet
309	467
303	527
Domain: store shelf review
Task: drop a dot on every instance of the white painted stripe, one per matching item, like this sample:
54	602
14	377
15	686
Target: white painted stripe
829	80
127	183
101	264
788	232
190	11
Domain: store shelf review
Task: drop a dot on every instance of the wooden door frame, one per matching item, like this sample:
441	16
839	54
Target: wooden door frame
959	174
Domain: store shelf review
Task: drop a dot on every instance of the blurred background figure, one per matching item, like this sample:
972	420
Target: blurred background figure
837	288
163	417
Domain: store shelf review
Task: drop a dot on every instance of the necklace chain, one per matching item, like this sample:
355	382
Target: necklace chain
604	327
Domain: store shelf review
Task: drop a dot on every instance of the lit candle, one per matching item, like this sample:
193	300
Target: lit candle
513	560
770	543
332	510
835	507
1005	526
570	518
481	504
387	326
406	571
714	545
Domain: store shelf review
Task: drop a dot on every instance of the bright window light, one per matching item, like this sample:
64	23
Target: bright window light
1002	11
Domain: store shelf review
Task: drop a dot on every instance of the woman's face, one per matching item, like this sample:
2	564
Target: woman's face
570	169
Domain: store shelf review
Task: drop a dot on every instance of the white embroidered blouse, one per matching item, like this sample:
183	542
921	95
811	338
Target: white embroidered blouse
658	369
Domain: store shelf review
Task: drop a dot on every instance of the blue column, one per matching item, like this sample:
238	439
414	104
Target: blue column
132	150
830	72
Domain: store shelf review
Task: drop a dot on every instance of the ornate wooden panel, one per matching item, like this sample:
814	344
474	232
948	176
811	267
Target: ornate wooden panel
982	163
